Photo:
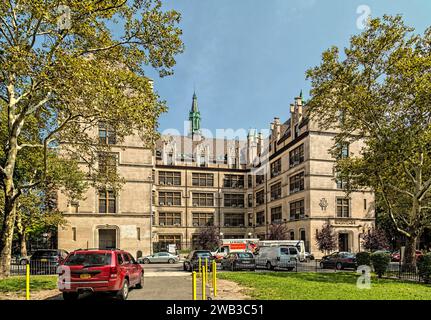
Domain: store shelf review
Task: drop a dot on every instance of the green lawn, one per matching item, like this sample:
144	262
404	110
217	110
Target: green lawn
323	286
37	283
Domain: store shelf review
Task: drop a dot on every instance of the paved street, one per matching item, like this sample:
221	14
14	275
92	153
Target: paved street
161	282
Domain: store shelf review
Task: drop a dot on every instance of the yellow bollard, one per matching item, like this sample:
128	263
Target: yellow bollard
214	279
200	266
204	297
206	270
27	282
194	285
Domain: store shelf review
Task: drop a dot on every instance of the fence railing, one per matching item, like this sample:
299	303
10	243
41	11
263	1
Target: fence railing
36	268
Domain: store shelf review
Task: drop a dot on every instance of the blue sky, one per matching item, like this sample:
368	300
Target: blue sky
247	58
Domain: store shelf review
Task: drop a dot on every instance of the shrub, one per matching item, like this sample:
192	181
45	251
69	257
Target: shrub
380	262
363	259
424	267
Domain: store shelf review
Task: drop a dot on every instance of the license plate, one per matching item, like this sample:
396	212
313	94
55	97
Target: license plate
44	260
85	276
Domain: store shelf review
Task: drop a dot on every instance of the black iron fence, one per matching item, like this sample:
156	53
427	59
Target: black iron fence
403	272
36	268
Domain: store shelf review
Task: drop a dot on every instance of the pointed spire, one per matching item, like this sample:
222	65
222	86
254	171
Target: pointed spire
300	94
195	116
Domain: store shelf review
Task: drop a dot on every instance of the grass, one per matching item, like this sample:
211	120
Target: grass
37	283
323	286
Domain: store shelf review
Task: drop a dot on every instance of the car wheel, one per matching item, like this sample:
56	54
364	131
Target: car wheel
322	265
171	261
339	266
269	266
123	293
146	261
70	296
23	262
140	284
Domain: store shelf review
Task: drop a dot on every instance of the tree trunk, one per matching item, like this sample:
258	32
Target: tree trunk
6	239
410	251
21	235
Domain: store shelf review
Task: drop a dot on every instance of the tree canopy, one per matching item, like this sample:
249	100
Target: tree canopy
64	70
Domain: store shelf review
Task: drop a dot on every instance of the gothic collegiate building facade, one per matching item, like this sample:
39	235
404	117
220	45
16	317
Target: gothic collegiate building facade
242	187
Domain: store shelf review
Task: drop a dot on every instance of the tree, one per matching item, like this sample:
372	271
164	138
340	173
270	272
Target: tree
278	232
208	238
326	239
379	93
63	72
375	240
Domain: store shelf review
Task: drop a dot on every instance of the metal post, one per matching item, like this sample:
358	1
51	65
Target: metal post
214	279
203	284
194	285
27	282
206	270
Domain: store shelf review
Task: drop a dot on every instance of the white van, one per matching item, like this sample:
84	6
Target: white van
298	244
282	257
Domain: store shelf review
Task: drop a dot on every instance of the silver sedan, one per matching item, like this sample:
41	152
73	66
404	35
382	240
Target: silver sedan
160	257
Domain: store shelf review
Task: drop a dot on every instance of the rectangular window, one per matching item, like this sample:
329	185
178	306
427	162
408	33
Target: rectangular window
234	200
260	178
276	191
233	181
250	219
260	197
344	150
203	199
169	218
250	200
138	233
166	239
250	181
74	234
343	208
203	179
260	218
296	183
169	198
202	219
276	215
107	134
296	156
297	210
170	178
107	163
275	168
107	201
365	204
234	219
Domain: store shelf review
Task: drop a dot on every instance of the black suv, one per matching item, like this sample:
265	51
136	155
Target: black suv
46	261
191	263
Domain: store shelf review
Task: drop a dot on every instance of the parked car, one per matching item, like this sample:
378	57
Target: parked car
239	261
46	261
114	271
309	256
191	263
339	261
277	257
395	257
160	257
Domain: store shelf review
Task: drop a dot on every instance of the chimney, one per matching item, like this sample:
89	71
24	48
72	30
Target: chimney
277	128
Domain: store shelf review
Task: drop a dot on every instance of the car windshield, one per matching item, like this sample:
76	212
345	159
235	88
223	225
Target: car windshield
89	259
40	254
245	255
203	254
